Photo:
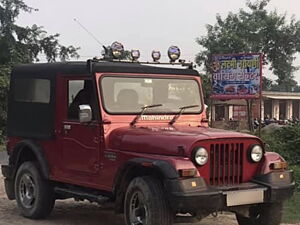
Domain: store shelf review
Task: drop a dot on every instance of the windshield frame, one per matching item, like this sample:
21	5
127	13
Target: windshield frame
150	76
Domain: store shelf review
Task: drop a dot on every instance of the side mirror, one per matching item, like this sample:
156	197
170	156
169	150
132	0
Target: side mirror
85	114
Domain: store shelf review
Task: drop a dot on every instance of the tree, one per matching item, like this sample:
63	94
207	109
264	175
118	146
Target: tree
23	45
108	55
267	84
255	30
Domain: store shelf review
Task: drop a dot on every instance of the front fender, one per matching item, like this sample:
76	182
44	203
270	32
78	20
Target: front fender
270	157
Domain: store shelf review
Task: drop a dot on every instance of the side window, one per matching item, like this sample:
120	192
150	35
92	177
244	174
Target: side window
32	90
80	92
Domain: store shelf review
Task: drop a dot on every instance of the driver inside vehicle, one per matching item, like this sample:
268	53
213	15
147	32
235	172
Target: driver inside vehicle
128	99
83	97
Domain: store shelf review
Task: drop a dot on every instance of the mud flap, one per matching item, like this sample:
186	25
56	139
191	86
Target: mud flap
9	188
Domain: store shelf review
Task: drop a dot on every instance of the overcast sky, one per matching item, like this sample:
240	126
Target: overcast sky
138	24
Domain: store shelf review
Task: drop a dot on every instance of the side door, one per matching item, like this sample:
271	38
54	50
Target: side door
79	141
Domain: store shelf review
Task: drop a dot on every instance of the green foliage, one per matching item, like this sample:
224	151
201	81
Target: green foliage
4	83
285	141
291	210
296	170
206	84
23	45
267	84
255	30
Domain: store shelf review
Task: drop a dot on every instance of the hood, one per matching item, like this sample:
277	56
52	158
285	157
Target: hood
166	140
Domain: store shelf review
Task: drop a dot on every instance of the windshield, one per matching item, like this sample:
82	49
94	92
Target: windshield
130	94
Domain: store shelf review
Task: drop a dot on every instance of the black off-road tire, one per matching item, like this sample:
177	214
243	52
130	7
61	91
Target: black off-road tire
150	190
265	214
42	200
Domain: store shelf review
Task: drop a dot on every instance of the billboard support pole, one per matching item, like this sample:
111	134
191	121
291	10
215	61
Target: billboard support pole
260	108
260	96
211	112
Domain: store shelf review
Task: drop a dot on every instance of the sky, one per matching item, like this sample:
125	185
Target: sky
139	24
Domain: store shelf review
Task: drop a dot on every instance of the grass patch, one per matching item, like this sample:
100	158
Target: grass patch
291	210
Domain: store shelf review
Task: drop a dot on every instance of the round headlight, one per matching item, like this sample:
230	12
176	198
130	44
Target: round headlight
201	156
256	153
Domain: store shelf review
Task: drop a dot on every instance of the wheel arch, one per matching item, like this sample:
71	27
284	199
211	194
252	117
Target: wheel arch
29	150
139	167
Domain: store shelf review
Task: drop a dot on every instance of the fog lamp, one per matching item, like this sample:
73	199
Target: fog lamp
135	54
156	56
174	53
117	50
187	172
279	165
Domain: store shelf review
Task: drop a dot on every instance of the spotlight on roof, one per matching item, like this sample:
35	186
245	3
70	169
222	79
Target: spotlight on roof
117	50
156	55
173	53
135	54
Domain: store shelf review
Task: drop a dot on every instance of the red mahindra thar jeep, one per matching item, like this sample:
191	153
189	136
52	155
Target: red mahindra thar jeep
137	136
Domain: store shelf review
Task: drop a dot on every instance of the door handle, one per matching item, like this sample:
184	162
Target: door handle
67	127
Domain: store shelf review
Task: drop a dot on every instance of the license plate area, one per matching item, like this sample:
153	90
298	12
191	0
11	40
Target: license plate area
245	197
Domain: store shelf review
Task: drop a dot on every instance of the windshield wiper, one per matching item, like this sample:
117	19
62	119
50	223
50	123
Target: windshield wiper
180	112
144	109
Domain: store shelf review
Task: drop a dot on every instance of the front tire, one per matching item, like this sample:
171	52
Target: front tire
265	214
34	195
145	203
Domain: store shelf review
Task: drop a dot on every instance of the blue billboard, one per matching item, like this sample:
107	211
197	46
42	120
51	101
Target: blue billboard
236	76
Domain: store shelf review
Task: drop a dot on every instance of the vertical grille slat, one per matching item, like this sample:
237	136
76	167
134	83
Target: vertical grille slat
226	163
212	165
233	163
238	164
219	164
223	164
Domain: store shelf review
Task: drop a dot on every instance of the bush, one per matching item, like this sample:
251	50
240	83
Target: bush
296	170
285	141
4	85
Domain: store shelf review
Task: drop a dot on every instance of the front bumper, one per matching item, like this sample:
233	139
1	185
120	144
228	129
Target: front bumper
193	195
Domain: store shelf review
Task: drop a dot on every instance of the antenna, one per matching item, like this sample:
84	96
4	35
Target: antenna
90	33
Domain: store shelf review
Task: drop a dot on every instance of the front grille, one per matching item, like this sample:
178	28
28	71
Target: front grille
226	163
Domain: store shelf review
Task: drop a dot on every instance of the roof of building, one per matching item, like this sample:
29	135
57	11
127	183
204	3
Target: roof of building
281	95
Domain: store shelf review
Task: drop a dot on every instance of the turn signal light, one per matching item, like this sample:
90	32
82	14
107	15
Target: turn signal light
279	165
187	172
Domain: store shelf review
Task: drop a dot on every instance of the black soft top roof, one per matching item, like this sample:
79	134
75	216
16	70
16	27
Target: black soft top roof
79	68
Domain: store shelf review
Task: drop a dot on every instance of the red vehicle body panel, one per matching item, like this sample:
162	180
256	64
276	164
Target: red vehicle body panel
90	155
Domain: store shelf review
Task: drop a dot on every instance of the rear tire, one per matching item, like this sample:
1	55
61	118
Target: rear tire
145	203
34	195
265	214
